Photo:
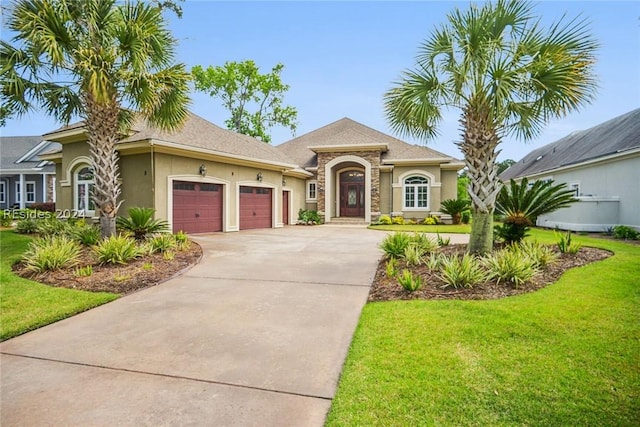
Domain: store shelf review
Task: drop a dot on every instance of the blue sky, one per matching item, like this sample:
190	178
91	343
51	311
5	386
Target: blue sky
340	58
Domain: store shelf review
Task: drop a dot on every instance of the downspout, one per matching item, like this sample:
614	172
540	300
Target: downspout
153	177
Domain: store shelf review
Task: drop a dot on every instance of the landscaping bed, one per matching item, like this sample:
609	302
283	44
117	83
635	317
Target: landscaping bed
140	273
386	288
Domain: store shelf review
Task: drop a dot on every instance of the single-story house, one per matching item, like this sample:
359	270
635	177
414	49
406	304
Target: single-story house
24	178
203	178
601	165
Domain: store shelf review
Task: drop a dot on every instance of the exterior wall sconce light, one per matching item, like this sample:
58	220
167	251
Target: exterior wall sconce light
202	170
259	177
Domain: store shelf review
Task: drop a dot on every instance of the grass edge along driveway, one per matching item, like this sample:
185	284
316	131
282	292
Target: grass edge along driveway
565	355
26	305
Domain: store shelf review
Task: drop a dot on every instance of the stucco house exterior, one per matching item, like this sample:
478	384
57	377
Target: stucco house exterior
602	166
25	179
204	178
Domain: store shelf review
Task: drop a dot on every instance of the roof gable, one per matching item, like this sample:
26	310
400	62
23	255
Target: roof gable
21	152
614	136
345	132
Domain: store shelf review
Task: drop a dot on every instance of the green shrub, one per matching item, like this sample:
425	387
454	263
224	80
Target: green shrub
117	249
384	220
455	208
86	234
85	271
27	226
565	245
162	243
398	220
540	254
408	281
430	220
6	219
412	254
391	267
625	232
394	244
168	255
513	231
461	272
182	241
442	241
141	223
433	262
51	253
466	217
424	243
308	216
510	266
53	227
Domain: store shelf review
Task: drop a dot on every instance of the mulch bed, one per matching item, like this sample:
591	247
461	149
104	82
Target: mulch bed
119	279
387	289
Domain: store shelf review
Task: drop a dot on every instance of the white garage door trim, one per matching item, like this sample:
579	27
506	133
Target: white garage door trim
274	200
198	178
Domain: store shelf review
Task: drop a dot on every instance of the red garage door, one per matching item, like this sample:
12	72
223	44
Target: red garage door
197	207
255	208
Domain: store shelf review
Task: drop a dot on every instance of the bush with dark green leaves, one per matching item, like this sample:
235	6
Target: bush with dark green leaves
521	204
308	216
141	223
625	232
455	208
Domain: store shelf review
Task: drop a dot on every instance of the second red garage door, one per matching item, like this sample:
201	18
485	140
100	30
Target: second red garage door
255	208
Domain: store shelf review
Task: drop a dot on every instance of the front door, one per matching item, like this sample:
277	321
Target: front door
352	194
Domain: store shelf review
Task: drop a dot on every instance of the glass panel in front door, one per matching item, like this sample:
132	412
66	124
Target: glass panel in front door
352	200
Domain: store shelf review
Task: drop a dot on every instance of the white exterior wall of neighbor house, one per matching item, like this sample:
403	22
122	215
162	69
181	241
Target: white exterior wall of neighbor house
609	194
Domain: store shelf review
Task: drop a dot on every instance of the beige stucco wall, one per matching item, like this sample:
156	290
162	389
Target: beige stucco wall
297	196
385	192
175	167
449	189
137	187
74	156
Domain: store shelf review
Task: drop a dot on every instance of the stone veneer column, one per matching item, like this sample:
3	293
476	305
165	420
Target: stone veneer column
373	157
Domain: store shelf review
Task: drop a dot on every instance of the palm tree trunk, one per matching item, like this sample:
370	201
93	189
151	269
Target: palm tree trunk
102	127
480	140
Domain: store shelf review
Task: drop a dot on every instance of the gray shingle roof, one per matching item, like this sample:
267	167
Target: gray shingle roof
613	136
14	148
200	133
349	132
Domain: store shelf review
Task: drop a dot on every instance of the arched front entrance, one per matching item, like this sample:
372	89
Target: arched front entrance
352	193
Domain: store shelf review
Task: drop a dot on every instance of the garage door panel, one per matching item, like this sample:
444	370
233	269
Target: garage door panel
255	208
197	207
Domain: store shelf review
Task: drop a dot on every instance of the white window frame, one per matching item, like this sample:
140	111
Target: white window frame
311	184
31	199
87	184
415	187
3	191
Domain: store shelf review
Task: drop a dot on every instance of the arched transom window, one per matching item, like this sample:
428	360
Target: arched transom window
84	191
416	192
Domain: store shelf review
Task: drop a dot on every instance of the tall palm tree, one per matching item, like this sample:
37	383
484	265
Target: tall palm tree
104	62
507	74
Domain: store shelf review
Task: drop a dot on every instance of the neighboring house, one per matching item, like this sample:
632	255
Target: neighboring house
362	173
25	179
602	166
204	178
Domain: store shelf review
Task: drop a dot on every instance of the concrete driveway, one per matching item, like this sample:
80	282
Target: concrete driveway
256	334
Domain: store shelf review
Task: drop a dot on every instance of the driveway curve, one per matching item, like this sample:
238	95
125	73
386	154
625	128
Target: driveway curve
256	334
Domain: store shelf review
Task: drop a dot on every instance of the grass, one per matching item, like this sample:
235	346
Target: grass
565	355
26	305
456	229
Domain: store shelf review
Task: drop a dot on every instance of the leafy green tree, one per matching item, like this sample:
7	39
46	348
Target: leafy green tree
521	204
507	74
504	165
104	62
463	184
254	100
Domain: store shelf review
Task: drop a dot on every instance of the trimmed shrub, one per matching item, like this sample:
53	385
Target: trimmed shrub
384	220
308	217
398	220
117	249
395	244
461	272
625	232
430	220
51	253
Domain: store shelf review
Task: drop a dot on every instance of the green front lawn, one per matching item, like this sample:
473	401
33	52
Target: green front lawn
26	305
565	355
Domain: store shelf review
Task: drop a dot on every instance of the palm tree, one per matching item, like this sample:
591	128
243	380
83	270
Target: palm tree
104	62
521	204
507	75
